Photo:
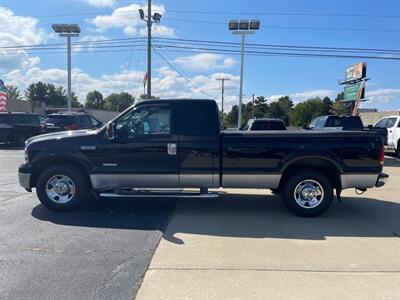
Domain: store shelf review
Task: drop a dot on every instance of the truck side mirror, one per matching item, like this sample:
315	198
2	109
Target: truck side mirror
370	127
110	131
305	127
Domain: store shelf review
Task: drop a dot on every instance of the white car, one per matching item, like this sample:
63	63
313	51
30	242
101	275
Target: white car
392	124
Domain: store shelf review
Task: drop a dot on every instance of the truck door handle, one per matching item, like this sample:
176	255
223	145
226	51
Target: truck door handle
171	147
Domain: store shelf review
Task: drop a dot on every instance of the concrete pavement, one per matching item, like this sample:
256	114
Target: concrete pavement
245	246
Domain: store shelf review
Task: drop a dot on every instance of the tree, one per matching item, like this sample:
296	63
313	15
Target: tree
36	92
338	108
144	97
303	112
13	93
281	109
232	117
327	105
55	96
116	102
94	100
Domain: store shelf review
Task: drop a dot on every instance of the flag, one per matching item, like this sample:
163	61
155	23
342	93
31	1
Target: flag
3	96
145	77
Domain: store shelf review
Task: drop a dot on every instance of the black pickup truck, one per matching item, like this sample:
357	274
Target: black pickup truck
178	144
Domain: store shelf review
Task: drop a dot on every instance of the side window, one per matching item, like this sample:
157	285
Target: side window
199	119
41	119
94	122
319	123
381	123
19	119
146	120
390	122
85	121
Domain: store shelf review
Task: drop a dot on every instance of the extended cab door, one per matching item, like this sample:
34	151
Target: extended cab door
144	151
199	138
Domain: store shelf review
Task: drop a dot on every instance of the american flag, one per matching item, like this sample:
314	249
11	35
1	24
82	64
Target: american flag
3	96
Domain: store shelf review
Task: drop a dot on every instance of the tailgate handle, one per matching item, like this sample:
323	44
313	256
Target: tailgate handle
171	148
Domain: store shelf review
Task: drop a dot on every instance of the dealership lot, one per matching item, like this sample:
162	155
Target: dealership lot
244	245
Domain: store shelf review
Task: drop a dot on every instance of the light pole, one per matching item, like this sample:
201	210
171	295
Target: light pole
149	20
242	27
68	30
222	97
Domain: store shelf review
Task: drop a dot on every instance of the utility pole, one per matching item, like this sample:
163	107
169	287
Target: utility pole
252	108
222	97
149	23
149	20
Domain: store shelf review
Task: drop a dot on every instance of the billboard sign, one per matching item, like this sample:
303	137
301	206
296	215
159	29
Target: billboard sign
3	96
351	92
356	71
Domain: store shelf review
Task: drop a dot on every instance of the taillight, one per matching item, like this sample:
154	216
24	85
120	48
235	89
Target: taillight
71	127
382	155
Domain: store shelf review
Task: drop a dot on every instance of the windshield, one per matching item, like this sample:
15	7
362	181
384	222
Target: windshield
260	125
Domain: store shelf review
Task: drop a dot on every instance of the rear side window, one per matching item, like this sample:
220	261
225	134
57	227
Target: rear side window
85	121
33	119
346	123
259	125
319	123
199	118
381	123
19	119
391	122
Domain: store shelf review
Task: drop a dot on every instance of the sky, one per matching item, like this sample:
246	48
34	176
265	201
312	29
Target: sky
178	72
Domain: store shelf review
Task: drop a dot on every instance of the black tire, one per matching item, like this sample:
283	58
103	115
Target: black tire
79	181
398	150
316	178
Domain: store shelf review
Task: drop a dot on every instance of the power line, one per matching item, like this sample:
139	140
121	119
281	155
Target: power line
182	75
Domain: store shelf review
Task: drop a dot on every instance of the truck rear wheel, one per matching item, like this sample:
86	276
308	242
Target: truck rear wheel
308	193
62	188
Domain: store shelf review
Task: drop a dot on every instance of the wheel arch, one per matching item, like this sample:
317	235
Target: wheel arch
45	163
316	163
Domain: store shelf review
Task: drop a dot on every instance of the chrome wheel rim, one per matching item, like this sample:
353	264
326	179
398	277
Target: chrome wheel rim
60	189
309	193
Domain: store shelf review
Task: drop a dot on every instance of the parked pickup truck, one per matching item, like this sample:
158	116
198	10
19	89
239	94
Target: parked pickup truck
343	123
392	125
178	144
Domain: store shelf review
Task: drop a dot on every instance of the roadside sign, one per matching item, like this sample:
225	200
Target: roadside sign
351	92
356	71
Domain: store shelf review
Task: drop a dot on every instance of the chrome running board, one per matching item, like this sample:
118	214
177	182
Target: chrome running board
156	193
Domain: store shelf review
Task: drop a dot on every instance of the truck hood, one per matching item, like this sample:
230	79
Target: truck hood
60	136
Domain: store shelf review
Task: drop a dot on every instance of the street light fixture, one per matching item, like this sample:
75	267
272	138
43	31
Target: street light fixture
68	30
155	18
242	27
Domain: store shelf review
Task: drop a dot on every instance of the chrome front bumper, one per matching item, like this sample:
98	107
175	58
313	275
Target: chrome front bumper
382	180
24	180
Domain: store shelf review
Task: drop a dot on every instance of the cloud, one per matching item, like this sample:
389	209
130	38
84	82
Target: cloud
205	61
88	42
383	96
127	18
301	96
100	3
16	31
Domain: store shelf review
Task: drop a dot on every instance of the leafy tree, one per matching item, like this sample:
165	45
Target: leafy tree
115	102
94	100
37	92
55	96
281	109
232	117
339	108
13	93
303	112
327	105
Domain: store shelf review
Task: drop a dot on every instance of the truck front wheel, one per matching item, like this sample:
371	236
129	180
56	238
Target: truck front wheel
308	193
62	188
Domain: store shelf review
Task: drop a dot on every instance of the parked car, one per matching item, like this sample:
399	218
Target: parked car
265	124
343	123
179	144
392	125
65	121
16	127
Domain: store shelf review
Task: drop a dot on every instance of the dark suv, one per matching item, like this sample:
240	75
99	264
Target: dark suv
69	121
16	127
265	124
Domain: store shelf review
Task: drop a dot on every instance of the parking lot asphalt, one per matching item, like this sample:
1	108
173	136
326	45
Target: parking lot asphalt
246	245
100	253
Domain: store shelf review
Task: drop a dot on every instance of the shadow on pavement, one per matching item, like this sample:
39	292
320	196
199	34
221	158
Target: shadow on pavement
232	215
11	147
117	213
